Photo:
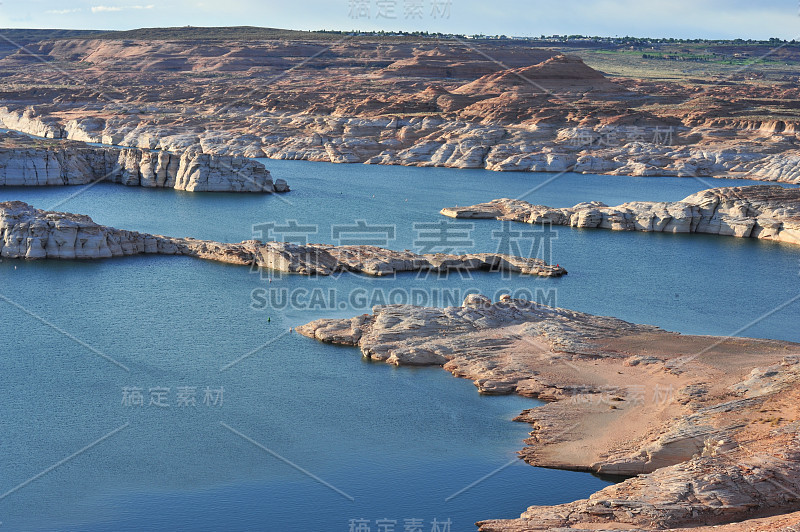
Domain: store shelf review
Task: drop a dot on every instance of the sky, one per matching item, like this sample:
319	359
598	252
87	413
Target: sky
713	19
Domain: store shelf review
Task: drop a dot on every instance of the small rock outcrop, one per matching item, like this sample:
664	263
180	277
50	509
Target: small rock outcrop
762	211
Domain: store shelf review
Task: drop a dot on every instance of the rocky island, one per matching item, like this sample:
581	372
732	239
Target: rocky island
767	212
705	427
30	233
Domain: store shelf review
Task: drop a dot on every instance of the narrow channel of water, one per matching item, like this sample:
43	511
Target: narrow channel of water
399	441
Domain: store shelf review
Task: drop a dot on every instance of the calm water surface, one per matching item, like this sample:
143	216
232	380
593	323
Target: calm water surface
397	441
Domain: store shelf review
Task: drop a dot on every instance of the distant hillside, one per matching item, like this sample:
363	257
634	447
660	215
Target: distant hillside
12	39
237	33
31	35
253	33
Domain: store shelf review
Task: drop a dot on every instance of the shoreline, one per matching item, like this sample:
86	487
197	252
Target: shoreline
555	155
621	399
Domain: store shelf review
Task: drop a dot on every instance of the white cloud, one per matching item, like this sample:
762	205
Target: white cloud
62	11
111	9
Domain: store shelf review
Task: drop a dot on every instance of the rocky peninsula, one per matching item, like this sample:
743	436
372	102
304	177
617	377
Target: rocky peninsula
30	233
31	162
705	427
762	211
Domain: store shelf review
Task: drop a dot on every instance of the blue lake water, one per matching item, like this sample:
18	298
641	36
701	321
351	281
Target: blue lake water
373	441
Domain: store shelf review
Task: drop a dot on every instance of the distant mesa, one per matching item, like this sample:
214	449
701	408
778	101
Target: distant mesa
562	73
455	63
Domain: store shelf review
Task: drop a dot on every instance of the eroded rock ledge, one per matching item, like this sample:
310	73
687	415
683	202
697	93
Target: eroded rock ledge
762	211
424	103
760	154
30	233
709	424
30	162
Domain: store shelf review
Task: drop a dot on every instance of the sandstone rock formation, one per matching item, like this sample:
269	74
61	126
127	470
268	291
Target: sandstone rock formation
768	212
559	74
29	233
324	259
708	425
454	143
440	63
74	163
424	103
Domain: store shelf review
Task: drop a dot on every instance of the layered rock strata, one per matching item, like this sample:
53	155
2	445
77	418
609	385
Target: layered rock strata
29	233
752	152
75	163
422	104
767	212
